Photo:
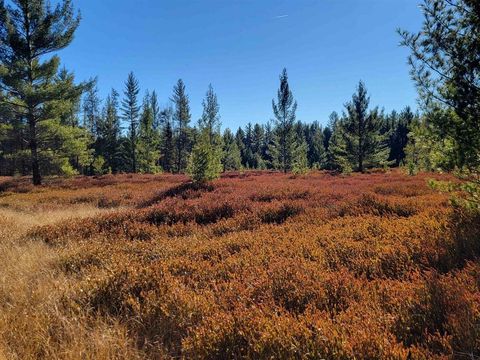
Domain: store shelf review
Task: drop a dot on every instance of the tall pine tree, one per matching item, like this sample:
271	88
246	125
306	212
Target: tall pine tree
167	141
110	132
182	119
148	140
231	153
131	114
366	146
205	161
29	31
284	110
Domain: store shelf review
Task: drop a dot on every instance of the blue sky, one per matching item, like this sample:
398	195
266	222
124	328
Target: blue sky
241	46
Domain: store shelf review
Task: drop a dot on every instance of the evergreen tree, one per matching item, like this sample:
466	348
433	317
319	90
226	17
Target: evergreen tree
365	144
284	110
256	147
156	113
182	119
315	142
231	154
445	65
29	31
327	134
248	143
110	132
148	141
240	140
337	154
205	163
428	147
210	120
131	112
71	106
268	143
399	135
300	158
91	109
167	147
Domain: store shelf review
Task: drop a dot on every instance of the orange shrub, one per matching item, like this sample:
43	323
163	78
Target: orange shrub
262	265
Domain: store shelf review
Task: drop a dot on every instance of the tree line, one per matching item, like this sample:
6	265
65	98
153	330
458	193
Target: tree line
52	125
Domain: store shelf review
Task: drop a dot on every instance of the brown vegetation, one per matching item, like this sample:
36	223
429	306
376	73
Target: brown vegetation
257	265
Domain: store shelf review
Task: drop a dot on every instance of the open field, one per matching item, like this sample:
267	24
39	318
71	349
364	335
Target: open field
256	265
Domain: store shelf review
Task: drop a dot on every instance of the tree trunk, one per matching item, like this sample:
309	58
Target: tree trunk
36	177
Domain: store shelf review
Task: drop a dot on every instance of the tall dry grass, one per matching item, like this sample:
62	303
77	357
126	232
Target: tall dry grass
35	320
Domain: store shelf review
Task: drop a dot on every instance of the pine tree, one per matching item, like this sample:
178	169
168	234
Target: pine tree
300	158
240	140
337	154
205	163
256	146
231	153
167	141
110	132
131	113
91	109
268	144
182	119
428	147
148	141
399	135
156	113
365	144
315	142
284	110
210	120
248	147
71	106
445	65
29	31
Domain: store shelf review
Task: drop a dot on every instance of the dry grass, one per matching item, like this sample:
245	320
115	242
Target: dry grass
256	266
34	324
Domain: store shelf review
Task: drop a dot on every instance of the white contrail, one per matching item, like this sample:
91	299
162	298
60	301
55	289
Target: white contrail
281	16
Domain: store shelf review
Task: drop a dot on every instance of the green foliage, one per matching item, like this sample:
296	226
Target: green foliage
400	126
300	159
108	141
98	165
181	117
315	142
231	154
63	148
91	109
365	145
427	148
284	110
148	141
35	91
210	120
167	141
205	163
445	65
465	193
131	114
337	153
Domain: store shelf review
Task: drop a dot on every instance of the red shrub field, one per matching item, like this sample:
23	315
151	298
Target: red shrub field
255	265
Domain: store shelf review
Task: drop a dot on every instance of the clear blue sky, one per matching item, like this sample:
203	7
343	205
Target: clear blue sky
241	46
